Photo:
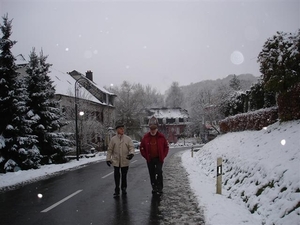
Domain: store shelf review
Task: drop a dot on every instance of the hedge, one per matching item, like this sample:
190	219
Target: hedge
254	120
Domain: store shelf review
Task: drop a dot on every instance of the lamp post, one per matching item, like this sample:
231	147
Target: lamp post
76	115
81	114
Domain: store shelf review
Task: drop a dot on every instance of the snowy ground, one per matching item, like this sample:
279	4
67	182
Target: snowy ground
261	179
261	176
11	180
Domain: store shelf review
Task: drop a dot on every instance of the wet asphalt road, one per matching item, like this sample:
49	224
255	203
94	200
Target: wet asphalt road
85	196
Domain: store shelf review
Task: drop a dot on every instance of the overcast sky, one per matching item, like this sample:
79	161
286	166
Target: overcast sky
150	42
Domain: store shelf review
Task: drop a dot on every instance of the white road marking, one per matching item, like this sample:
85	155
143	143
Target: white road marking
61	201
113	172
107	175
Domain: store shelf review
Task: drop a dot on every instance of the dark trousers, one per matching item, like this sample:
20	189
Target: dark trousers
123	176
156	174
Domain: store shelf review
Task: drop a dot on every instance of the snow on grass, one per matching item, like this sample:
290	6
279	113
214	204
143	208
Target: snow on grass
261	173
11	179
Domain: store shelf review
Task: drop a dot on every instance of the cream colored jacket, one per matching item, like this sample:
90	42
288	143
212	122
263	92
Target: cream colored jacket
118	149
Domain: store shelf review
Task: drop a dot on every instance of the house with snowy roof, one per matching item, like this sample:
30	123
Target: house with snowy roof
95	105
172	121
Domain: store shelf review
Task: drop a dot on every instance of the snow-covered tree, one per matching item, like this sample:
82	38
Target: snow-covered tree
204	110
259	97
8	83
256	96
131	102
52	144
279	64
279	61
128	106
197	114
22	139
174	97
235	83
18	147
8	75
234	104
151	98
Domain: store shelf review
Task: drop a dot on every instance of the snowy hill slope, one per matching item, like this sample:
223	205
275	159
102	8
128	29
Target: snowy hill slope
261	173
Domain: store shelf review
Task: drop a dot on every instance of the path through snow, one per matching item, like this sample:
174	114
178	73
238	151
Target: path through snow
178	204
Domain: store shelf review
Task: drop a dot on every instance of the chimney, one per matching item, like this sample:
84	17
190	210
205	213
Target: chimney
89	75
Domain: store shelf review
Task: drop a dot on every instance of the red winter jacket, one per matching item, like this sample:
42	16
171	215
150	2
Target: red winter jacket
162	146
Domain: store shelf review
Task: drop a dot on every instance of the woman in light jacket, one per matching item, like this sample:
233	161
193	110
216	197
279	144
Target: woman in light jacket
120	151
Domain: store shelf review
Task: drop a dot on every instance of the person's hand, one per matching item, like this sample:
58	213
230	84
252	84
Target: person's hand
108	163
130	156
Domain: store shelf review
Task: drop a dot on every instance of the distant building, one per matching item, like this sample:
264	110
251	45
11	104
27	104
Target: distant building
172	122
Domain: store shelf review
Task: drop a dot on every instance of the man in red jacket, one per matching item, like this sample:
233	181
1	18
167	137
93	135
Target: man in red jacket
154	148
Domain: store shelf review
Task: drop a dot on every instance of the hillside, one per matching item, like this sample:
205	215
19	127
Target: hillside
246	81
261	175
191	91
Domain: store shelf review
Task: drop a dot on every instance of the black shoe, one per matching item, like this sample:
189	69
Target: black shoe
160	191
124	192
116	194
154	191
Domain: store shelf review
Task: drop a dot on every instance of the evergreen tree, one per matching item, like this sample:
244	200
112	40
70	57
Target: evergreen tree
8	75
233	104
256	96
47	113
8	80
279	61
21	138
17	148
259	97
235	83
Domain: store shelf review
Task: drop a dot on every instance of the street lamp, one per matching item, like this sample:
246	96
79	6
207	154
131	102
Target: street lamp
76	114
81	114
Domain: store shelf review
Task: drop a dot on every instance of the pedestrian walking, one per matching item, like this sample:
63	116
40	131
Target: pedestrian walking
120	151
154	148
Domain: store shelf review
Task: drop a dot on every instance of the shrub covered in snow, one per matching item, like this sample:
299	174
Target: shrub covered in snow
255	120
279	85
279	61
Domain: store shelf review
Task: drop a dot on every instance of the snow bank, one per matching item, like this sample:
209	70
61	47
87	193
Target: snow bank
260	173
